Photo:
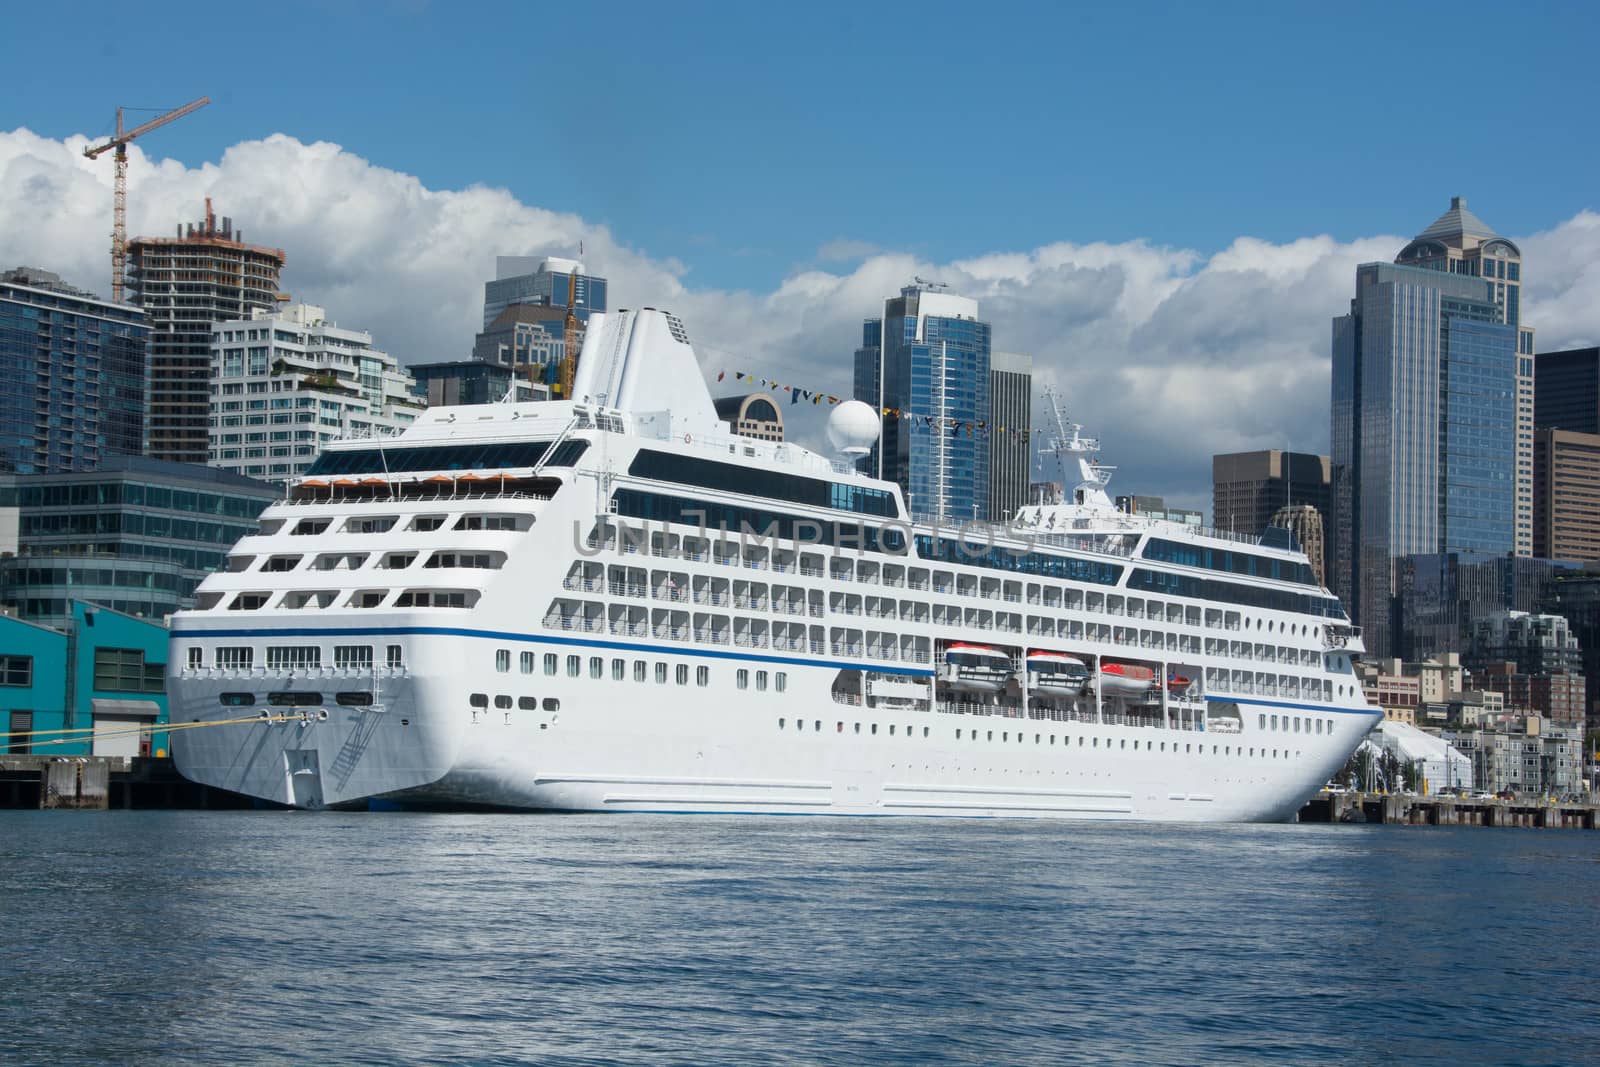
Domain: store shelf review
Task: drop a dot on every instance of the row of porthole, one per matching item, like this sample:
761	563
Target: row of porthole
1039	739
641	670
502	702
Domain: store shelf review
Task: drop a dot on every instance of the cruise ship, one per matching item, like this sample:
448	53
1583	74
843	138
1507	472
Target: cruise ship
611	603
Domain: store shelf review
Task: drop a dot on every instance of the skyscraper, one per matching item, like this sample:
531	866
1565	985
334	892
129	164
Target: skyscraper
1567	390
550	282
928	360
1248	488
72	372
1010	416
1459	242
1566	495
1424	430
204	275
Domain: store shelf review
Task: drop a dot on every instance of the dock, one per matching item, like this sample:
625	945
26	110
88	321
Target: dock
1407	809
101	783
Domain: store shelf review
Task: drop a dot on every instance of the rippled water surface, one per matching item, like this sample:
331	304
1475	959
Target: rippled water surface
190	937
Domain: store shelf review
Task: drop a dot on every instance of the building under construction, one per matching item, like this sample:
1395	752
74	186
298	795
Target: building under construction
204	275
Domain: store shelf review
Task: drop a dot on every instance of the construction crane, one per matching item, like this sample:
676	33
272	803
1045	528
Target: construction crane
569	331
119	226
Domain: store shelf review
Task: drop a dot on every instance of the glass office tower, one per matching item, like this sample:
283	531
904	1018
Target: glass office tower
928	360
1424	431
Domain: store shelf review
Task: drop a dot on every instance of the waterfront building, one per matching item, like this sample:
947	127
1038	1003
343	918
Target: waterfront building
1010	416
1249	489
1566	494
550	282
1458	242
72	370
285	383
928	359
526	336
1155	507
471	381
1440	596
1305	523
1575	596
100	671
1524	756
186	284
137	535
1423	432
1567	390
1536	643
1404	689
1443	765
1558	696
754	415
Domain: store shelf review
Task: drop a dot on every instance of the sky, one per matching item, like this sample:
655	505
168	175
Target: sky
1163	204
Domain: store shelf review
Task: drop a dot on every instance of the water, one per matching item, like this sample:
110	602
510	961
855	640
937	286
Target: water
190	937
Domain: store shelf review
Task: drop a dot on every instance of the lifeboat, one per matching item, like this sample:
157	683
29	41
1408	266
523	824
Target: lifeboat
975	669
1056	672
1125	679
1177	683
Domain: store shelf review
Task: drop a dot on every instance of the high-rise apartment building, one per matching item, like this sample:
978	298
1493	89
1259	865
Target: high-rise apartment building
72	371
284	384
186	284
549	282
1010	417
928	360
1566	495
1460	243
1424	431
1567	390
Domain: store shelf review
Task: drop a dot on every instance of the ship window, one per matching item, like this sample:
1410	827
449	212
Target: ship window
1274	722
597	666
552	704
1263	721
702	676
294	699
235	656
661	674
427	523
780	681
502	660
782	723
197	658
356	656
924	731
681	674
479	700
237	700
395	561
249	601
372	524
527	703
858	728
741	678
549	663
354	699
891	729
574	666
396	658
958	735
639	670
368	598
619	670
502	702
525	662
310	526
486	522
289	657
488	456
761	681
281	563
874	728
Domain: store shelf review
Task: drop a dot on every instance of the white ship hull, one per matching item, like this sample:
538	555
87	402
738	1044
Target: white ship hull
399	635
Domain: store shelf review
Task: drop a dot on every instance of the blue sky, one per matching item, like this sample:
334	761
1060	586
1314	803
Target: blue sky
740	139
1162	204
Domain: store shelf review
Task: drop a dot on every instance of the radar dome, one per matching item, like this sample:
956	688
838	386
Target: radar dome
853	428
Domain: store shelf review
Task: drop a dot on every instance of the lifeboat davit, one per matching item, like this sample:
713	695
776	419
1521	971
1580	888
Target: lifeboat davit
1125	679
975	668
1056	672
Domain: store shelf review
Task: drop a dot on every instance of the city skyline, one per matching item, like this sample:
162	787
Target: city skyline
1189	321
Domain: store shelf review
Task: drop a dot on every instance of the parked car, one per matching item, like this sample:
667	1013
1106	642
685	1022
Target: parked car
1505	794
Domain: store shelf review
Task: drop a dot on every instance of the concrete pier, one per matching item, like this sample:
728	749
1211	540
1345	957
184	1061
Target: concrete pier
1411	810
96	783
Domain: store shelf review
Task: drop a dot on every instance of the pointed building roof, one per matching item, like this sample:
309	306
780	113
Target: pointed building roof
1457	222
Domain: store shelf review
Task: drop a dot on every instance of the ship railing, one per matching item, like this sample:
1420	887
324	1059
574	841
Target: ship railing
812	572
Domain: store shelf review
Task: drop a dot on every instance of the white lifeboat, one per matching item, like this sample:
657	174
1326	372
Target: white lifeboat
1125	679
1056	672
975	669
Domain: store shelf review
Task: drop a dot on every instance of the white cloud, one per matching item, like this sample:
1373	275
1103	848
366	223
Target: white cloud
1169	354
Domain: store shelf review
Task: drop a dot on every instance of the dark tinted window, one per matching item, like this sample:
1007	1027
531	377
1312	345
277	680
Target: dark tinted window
1045	564
294	699
354	700
237	700
1231	560
759	482
636	504
1249	596
488	456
